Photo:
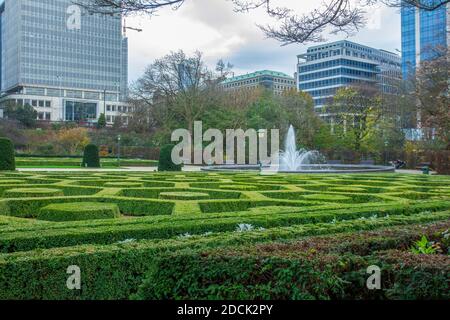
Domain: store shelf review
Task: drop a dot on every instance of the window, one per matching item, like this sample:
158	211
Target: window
34	103
108	107
48	116
41	104
48	104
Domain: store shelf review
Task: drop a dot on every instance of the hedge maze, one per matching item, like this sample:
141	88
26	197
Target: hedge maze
126	230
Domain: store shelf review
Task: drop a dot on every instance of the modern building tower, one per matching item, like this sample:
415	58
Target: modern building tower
424	34
323	69
68	64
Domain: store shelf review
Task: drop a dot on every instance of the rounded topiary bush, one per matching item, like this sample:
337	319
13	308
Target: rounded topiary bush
7	158
76	211
32	193
91	158
165	159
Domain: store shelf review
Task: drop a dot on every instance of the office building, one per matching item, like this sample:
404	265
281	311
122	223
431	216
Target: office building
278	82
323	69
424	34
68	64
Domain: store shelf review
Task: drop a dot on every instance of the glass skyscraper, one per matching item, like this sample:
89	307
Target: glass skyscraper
68	64
323	69
422	33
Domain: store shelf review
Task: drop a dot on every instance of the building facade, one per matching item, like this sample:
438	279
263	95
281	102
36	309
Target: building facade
278	82
323	69
68	64
423	33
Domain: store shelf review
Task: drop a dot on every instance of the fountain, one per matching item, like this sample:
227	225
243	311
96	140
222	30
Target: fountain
292	160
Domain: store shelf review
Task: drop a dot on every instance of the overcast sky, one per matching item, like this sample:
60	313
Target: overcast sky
212	27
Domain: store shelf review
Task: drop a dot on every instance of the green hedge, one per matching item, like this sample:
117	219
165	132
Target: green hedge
115	271
79	211
165	159
7	159
32	193
91	158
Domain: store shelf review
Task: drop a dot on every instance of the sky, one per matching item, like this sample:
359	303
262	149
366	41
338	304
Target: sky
212	27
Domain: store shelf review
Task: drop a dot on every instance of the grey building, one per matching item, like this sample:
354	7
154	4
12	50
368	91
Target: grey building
323	69
278	82
68	64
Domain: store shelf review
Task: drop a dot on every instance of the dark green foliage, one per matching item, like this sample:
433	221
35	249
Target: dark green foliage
25	114
101	123
32	193
79	211
165	159
91	158
7	159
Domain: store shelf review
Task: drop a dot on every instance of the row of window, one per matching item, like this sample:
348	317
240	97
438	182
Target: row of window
258	80
113	119
44	116
113	108
33	103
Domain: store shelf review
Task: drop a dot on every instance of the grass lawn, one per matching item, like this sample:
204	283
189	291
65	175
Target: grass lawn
223	236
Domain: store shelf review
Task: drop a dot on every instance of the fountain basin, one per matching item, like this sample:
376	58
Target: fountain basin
306	168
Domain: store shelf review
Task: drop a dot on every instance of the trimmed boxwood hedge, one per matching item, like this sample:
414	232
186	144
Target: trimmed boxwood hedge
7	158
32	193
165	159
79	211
115	254
91	158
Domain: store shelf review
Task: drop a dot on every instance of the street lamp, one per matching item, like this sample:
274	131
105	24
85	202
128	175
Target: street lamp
118	149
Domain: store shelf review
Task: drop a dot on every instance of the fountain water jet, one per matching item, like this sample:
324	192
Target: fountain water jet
294	160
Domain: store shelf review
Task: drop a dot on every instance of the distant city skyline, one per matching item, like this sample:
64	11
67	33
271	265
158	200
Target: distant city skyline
214	29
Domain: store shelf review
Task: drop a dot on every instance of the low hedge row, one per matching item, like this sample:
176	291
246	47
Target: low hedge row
78	211
115	271
43	237
205	275
29	207
76	162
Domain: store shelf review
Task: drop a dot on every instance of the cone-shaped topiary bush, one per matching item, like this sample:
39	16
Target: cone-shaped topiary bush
91	158
165	159
7	160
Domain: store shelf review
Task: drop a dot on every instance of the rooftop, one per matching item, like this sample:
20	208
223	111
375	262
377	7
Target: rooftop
256	74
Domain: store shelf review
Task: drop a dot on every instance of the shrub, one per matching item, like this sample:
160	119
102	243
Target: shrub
7	160
101	123
32	193
165	159
91	157
79	211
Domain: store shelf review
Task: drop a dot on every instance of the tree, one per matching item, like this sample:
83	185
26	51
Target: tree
7	157
91	158
432	90
101	123
25	114
337	16
72	140
176	90
357	110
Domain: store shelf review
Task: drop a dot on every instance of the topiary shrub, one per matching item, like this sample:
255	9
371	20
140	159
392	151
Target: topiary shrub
165	159
7	159
79	211
91	158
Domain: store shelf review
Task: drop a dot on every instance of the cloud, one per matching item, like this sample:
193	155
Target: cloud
212	27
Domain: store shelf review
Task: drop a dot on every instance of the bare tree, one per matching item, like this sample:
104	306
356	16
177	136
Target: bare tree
335	16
